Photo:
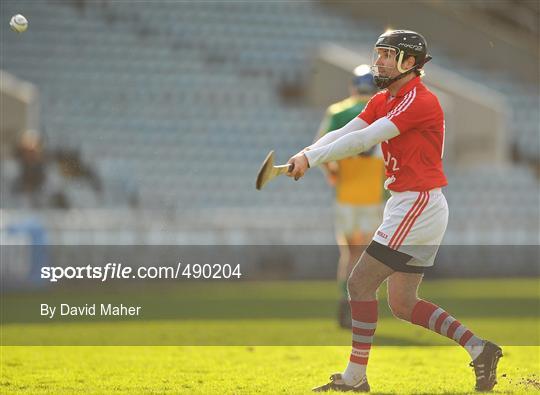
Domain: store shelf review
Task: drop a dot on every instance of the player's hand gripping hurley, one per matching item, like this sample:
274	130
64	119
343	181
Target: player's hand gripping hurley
268	171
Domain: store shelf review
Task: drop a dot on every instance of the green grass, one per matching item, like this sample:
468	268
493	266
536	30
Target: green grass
247	370
246	338
265	313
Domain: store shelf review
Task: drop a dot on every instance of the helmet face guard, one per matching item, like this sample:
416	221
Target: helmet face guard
391	50
384	66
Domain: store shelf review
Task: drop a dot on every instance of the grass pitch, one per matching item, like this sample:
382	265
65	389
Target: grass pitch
276	352
252	369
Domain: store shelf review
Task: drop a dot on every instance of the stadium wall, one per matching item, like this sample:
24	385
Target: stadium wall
19	110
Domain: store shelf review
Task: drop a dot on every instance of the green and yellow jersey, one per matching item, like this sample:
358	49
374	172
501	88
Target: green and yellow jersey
361	178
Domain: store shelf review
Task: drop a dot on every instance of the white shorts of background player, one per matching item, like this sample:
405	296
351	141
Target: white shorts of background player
351	218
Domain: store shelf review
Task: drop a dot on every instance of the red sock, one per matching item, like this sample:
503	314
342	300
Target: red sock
364	316
432	317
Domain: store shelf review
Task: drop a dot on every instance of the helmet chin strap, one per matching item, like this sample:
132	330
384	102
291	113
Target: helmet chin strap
385	82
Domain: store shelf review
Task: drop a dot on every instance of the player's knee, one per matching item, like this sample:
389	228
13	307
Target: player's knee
352	286
358	289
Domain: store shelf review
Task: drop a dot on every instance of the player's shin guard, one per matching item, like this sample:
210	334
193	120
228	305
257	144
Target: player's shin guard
432	317
364	323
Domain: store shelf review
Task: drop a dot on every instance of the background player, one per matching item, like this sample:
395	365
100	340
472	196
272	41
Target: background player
359	186
408	120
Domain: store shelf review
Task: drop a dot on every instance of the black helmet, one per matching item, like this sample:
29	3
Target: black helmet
405	43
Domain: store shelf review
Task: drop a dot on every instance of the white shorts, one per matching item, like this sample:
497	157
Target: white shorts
414	223
357	218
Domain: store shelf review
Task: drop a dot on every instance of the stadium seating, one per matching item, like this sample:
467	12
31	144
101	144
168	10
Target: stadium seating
176	106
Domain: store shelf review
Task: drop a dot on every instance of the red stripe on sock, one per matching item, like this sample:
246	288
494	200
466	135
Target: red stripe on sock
363	332
452	328
364	311
465	338
439	321
421	312
361	346
358	360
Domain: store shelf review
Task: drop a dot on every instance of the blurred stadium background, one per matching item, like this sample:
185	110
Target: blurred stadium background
135	123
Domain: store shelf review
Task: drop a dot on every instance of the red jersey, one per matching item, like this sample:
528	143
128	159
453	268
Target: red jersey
413	159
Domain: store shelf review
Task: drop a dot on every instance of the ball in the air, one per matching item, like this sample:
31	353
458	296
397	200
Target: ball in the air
18	23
